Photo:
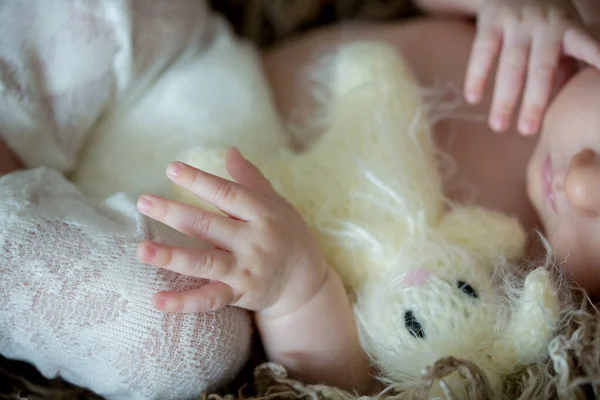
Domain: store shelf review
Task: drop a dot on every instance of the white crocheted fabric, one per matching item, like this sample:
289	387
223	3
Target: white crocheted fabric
64	62
74	299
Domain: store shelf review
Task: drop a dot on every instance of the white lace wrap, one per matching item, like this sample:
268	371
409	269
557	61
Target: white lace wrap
74	299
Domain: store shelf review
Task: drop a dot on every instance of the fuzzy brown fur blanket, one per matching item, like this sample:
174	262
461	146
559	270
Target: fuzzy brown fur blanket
572	371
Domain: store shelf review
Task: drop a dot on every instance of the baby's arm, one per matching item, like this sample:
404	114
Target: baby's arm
264	259
318	341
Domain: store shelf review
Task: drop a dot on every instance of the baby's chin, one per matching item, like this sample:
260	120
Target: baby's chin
578	269
534	189
589	281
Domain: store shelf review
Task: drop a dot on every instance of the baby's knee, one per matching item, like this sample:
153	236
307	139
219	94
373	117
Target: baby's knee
180	357
187	356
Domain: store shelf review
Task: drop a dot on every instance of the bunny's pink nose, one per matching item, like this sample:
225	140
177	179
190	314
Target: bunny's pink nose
415	278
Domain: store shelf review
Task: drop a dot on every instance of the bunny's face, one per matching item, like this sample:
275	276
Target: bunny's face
448	305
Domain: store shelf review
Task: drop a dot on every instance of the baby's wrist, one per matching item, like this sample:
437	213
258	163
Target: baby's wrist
305	285
318	342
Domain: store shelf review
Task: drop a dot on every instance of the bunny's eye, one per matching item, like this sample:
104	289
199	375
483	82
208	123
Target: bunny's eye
467	289
413	326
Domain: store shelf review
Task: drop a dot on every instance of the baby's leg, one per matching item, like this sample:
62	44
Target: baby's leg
75	301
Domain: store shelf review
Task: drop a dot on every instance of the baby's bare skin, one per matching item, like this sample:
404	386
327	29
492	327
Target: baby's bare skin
487	162
506	172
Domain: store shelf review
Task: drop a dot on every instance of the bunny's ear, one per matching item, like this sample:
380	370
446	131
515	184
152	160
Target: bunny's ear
533	322
487	233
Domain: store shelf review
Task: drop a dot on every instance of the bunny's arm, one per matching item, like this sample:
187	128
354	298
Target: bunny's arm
533	324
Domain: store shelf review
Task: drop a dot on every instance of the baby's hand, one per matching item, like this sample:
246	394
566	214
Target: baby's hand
531	36
264	257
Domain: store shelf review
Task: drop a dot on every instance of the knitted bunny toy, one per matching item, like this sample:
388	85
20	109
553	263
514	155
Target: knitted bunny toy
424	274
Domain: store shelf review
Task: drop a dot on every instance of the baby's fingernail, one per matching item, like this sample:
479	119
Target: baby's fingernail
472	96
236	150
158	302
498	124
174	169
527	128
165	304
144	204
146	252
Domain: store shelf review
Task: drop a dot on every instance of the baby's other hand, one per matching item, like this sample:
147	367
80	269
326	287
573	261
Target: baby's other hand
263	256
530	37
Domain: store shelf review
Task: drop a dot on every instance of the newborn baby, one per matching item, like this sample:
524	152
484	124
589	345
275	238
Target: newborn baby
75	300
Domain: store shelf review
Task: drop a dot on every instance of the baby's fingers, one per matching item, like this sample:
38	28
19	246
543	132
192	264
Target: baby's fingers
230	197
483	54
211	264
509	80
582	46
214	229
211	297
543	64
